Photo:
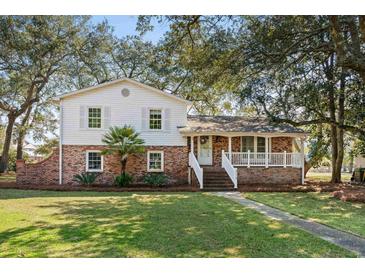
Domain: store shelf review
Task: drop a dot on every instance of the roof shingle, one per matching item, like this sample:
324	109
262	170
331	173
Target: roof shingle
205	124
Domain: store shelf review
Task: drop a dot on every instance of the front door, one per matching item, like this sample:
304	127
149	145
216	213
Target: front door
205	155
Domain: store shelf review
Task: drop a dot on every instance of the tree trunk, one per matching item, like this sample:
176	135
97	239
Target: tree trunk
4	161
21	134
340	155
307	167
340	131
123	166
19	146
334	153
334	141
329	68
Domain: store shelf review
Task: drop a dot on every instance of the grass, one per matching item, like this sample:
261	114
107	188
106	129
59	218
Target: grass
326	176
319	207
91	224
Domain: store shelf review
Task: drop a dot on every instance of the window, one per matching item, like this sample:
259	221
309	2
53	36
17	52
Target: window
155	119
155	161
94	161
94	117
261	144
254	144
248	144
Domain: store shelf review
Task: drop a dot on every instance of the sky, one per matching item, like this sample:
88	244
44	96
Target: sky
126	25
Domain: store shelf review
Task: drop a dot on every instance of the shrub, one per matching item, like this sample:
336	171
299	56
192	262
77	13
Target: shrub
155	179
86	178
123	180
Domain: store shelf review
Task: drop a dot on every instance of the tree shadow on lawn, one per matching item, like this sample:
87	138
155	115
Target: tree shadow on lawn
158	225
319	207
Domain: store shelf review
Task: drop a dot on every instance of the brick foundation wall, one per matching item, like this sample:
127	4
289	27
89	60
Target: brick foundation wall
74	162
175	163
45	172
275	175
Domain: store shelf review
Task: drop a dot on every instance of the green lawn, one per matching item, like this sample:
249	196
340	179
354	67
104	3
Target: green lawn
326	176
90	224
320	207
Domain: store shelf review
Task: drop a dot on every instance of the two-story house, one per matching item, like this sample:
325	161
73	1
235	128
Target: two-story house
211	151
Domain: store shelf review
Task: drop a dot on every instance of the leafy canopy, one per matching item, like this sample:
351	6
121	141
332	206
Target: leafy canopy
123	140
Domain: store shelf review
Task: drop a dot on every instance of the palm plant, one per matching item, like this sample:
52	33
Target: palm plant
123	141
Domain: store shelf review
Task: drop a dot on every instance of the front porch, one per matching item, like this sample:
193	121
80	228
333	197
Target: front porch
247	158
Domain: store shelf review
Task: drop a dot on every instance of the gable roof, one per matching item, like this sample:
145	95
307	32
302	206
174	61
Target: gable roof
229	124
124	79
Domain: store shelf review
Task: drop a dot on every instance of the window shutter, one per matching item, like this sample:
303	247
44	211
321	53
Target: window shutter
82	117
106	117
144	118
167	119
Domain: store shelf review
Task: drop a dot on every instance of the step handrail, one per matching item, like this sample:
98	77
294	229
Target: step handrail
193	163
230	169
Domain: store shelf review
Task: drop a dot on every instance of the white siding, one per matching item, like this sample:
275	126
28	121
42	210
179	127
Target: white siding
123	110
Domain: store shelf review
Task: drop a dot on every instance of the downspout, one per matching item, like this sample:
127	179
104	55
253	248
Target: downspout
60	143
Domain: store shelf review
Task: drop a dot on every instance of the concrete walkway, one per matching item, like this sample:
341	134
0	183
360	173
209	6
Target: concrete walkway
340	238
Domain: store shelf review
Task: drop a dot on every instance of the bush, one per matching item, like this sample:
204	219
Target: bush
123	180
155	179
86	178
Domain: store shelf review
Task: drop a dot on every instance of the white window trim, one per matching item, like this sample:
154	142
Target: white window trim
148	161
87	161
162	119
101	118
255	143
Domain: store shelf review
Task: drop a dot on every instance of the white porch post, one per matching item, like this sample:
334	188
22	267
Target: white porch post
266	152
302	157
285	159
230	148
248	158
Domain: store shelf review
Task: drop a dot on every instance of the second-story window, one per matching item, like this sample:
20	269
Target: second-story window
94	117
155	119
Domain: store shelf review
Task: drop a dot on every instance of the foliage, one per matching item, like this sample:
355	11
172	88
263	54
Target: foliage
287	67
155	179
123	141
359	147
123	180
46	148
12	160
34	51
86	178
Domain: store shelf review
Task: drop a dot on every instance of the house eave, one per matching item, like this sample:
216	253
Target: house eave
124	79
240	133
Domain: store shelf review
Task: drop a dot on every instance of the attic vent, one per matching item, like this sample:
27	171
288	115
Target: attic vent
125	92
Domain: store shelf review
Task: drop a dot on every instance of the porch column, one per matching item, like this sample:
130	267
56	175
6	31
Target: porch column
230	148
302	157
266	152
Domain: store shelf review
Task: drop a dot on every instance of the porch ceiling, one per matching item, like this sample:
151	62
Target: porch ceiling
238	126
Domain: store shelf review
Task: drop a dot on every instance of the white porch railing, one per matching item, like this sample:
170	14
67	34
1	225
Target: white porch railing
193	163
230	169
265	159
